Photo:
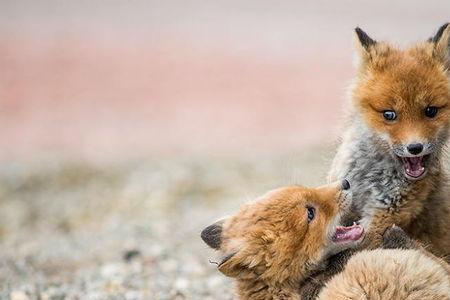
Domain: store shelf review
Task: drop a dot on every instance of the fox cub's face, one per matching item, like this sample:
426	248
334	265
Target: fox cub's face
283	234
404	98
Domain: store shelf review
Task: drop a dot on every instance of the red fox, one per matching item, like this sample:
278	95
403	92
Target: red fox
274	243
401	270
397	130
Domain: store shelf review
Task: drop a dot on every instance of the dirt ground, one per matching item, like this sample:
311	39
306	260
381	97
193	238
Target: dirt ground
131	230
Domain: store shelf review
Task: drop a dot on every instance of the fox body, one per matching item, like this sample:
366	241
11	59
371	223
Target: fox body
401	270
389	274
393	149
278	241
275	242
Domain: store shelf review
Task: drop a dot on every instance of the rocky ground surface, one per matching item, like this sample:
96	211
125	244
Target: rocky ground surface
127	230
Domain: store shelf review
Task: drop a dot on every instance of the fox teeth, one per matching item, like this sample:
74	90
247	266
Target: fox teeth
421	169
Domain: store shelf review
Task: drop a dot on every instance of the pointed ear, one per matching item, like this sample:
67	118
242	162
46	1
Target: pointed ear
230	265
441	41
212	235
364	44
364	39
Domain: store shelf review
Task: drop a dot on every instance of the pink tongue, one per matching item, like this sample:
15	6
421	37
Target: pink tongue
414	166
351	233
415	163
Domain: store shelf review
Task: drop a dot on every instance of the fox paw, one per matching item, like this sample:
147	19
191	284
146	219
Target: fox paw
395	238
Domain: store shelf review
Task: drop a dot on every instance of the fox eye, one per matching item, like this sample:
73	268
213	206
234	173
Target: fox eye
389	115
431	111
311	213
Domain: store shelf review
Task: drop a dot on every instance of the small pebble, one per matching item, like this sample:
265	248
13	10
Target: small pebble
131	254
18	295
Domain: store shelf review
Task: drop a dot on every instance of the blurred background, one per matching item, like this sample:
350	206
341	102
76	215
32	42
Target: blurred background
128	126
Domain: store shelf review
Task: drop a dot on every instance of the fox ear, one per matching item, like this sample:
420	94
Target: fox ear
364	40
230	266
364	44
212	235
441	41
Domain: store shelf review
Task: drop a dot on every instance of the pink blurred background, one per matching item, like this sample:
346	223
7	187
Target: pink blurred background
108	80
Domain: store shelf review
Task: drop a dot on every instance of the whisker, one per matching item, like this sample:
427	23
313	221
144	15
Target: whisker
213	262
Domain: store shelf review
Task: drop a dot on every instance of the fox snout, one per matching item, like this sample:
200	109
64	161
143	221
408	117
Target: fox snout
345	184
415	158
345	200
414	149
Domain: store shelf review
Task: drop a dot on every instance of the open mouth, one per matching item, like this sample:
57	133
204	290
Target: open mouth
348	233
414	167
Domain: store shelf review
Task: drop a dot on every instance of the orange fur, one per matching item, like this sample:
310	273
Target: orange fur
406	81
393	79
270	246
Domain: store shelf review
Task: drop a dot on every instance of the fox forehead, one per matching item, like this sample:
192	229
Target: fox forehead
282	211
288	202
406	83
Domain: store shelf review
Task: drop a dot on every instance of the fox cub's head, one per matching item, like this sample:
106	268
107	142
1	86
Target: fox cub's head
404	96
284	234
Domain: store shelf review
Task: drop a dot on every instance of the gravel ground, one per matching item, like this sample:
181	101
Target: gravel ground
128	230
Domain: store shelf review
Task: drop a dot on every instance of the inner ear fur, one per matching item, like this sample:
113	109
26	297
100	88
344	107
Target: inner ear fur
441	41
369	50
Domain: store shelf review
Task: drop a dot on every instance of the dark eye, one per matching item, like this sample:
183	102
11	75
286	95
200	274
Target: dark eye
311	213
431	111
389	115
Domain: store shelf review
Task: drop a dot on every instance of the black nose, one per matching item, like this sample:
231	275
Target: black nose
415	148
345	184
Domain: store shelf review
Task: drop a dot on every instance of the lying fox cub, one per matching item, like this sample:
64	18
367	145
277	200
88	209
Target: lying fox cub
402	270
279	240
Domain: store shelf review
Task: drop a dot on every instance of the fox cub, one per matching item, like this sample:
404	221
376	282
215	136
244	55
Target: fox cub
397	130
402	270
277	241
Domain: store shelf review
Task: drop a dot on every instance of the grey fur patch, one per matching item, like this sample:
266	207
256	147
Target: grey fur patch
376	173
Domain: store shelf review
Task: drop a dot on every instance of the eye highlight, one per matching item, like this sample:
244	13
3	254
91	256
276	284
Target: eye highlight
389	115
311	213
431	111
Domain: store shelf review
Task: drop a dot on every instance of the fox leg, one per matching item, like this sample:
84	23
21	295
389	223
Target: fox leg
380	223
395	238
311	286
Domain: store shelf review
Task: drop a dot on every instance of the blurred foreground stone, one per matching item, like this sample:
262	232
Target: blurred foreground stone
131	230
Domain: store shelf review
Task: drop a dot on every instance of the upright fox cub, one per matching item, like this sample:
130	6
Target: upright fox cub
275	242
393	149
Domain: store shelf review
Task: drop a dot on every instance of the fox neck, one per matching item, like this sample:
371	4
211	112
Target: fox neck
258	289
